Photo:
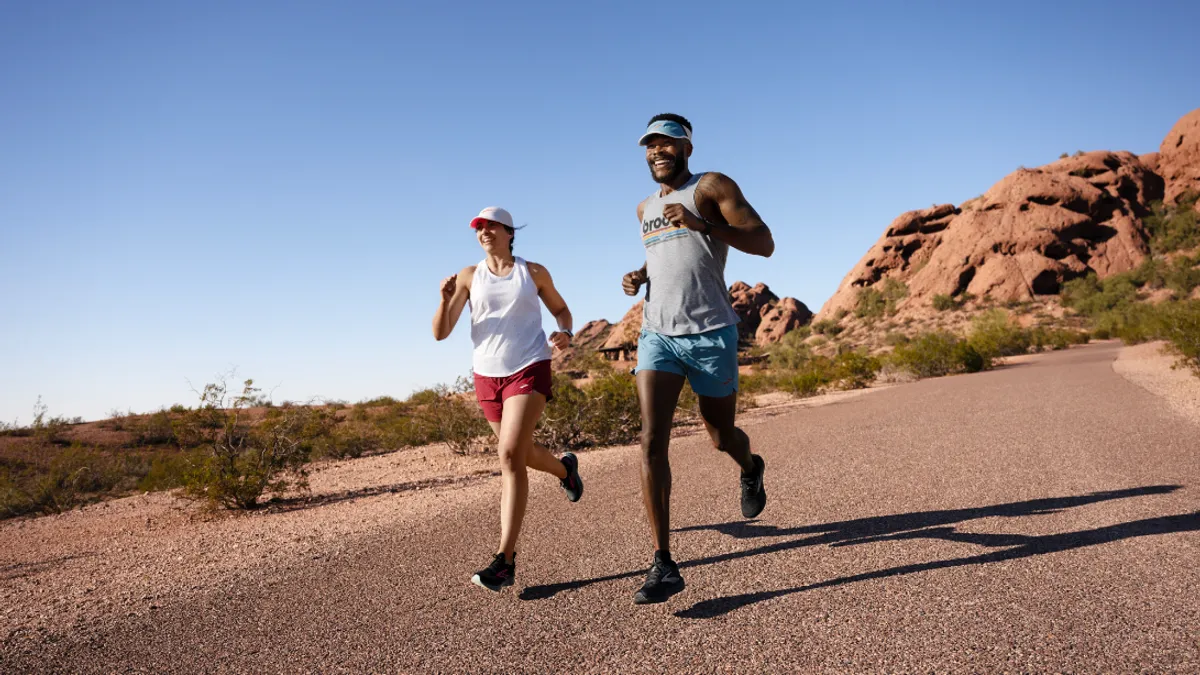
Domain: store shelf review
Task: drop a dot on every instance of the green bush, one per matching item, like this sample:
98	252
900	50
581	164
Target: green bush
453	418
993	334
804	383
243	458
1174	228
828	327
790	352
604	412
1092	297
76	475
1179	323
943	303
939	353
875	303
855	370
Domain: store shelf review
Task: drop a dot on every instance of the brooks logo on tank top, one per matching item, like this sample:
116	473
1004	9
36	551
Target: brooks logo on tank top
506	321
686	292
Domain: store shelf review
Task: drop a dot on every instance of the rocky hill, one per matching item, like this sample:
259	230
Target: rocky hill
1024	238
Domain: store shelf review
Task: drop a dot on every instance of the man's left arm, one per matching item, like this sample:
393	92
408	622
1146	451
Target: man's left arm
728	217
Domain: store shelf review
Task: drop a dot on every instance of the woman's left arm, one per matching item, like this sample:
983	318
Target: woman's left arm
554	302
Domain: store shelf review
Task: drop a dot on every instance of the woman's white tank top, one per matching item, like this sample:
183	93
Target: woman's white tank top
506	321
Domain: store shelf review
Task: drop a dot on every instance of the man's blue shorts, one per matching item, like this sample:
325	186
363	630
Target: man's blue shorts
709	360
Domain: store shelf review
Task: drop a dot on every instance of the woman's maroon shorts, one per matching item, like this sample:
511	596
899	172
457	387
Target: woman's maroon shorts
493	391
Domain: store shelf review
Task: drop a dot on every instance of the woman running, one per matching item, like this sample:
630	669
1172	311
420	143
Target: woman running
511	362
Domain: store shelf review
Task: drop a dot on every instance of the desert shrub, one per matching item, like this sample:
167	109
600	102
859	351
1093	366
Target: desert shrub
452	417
1091	297
808	380
855	370
1173	228
389	401
756	383
242	459
155	429
49	428
1132	323
790	352
348	439
1042	338
939	353
562	423
1179	324
75	476
875	303
895	338
827	327
604	412
615	416
943	303
994	334
166	470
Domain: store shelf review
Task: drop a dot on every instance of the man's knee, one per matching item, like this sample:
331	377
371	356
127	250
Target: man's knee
654	443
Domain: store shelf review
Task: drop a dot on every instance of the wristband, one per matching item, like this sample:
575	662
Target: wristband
568	332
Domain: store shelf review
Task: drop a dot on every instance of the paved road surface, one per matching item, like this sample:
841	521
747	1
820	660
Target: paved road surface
1041	517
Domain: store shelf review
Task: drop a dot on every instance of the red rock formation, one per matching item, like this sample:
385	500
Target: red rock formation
1179	157
1025	237
786	315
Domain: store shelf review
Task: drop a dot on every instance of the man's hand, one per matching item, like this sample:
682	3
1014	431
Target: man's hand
630	283
449	284
677	215
560	340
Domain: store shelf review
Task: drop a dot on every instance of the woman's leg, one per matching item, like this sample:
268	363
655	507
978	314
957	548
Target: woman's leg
521	414
540	458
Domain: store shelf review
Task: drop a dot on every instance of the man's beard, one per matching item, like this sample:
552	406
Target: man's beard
678	166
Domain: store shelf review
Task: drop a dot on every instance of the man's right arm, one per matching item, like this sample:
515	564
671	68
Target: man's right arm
631	282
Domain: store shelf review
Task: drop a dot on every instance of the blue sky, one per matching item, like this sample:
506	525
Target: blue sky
278	187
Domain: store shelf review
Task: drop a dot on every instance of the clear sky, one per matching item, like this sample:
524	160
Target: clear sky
278	187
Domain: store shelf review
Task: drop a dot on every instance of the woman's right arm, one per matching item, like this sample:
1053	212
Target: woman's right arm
455	291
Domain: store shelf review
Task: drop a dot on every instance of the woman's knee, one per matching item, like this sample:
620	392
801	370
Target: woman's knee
512	456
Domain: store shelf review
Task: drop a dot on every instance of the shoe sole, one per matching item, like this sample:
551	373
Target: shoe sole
480	583
639	599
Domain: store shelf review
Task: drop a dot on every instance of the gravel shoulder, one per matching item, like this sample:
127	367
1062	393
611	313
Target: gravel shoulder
1149	366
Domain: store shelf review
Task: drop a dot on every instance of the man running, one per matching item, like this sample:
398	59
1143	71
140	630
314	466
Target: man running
689	327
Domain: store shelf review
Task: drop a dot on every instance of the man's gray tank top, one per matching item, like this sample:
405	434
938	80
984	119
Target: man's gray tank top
686	292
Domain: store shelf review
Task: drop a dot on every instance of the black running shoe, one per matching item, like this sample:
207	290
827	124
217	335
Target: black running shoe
662	581
572	484
754	495
497	575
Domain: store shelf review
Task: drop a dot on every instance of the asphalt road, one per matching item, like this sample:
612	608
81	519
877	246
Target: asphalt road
1040	517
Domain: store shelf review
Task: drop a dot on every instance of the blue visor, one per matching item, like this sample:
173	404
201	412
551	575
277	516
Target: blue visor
665	128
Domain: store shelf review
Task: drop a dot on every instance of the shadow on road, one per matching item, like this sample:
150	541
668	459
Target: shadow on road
922	524
305	502
1022	547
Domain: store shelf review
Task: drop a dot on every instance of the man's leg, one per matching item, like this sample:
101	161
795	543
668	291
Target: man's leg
658	394
718	415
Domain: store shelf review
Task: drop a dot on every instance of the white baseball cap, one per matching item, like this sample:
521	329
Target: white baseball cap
494	214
